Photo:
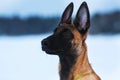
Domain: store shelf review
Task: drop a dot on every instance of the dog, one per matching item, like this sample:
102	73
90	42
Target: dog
68	42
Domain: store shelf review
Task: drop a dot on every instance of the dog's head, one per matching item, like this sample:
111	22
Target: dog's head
68	35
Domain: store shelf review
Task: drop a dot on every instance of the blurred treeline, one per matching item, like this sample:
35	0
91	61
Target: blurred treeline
100	24
31	25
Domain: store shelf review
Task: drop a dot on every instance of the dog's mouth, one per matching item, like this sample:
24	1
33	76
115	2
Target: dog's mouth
49	51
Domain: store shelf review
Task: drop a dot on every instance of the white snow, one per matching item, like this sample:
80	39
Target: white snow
21	58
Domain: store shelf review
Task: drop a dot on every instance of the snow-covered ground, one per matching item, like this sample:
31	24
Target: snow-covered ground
21	58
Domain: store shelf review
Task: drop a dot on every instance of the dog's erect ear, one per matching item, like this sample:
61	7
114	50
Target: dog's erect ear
82	19
66	16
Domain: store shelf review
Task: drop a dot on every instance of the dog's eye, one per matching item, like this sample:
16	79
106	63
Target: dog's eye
66	33
65	30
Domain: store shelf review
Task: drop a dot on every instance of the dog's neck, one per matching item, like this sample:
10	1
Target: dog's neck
66	64
73	65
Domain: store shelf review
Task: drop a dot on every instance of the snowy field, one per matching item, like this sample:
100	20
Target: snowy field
21	58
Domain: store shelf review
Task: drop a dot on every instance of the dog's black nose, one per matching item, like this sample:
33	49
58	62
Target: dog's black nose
45	43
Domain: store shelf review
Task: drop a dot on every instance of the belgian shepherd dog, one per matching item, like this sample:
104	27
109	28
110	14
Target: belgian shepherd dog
68	42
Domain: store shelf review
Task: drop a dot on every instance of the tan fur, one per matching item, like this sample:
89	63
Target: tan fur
82	65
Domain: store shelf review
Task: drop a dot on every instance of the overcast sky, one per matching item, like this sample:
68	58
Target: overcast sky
52	7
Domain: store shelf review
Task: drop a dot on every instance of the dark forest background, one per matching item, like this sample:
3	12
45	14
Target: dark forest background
108	23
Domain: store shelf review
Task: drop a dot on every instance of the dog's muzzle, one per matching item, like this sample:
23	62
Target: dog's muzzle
45	44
